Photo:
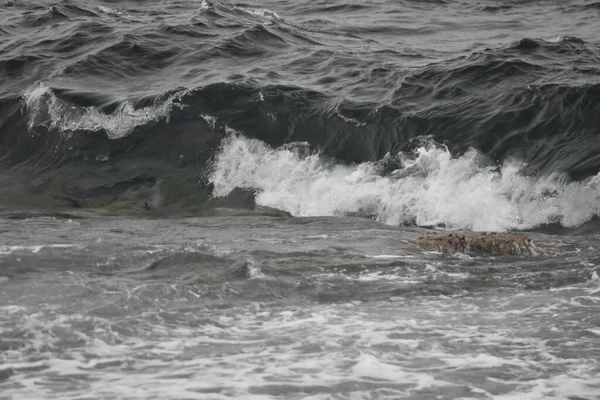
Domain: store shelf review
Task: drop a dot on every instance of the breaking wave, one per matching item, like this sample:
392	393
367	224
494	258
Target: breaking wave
426	187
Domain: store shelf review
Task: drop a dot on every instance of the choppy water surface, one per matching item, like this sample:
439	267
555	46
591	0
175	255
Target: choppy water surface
289	308
212	199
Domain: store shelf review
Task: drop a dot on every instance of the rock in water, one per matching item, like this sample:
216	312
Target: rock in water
484	243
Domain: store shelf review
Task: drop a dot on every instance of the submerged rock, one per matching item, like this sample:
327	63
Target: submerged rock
484	243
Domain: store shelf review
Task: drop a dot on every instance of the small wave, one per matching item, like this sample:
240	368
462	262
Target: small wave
565	39
556	43
44	108
254	41
431	187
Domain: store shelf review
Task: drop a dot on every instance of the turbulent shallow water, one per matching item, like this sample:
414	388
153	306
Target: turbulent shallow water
222	200
279	307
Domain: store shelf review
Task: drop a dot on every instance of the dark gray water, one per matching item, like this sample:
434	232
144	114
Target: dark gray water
216	200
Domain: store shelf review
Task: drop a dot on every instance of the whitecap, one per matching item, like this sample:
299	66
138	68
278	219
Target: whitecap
259	12
110	11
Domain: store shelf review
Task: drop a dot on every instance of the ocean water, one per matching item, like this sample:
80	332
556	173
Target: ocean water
221	200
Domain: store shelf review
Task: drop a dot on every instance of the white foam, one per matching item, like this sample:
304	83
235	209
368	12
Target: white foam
4	250
12	309
259	12
560	387
254	272
350	120
210	120
383	349
110	11
432	187
45	109
562	39
595	331
481	361
370	367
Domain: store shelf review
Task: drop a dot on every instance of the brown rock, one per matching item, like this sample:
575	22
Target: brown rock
484	243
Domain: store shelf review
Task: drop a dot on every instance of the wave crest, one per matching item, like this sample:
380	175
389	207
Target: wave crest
44	108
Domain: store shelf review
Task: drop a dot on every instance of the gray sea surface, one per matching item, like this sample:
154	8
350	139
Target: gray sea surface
256	306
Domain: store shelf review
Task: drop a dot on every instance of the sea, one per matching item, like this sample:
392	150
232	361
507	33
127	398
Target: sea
223	200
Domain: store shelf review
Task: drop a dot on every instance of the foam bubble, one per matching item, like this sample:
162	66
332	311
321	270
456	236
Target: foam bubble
431	188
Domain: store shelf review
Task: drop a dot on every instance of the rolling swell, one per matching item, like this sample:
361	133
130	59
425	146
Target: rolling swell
115	140
491	100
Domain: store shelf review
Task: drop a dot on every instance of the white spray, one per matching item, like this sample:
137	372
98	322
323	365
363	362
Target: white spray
431	188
